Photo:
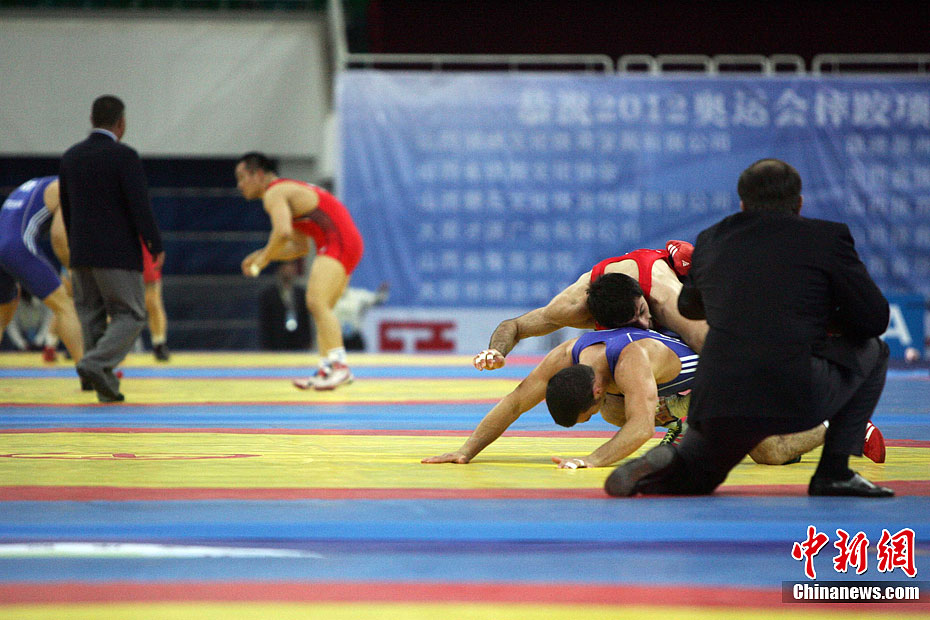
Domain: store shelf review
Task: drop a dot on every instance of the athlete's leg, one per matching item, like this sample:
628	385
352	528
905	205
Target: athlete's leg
779	449
67	324
9	299
50	351
154	306
692	332
328	280
157	319
7	311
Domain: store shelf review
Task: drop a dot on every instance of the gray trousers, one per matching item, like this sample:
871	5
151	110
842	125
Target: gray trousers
115	293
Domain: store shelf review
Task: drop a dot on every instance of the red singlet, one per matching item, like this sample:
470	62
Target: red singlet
149	273
331	228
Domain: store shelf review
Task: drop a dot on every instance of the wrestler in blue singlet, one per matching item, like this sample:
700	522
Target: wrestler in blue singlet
617	339
23	220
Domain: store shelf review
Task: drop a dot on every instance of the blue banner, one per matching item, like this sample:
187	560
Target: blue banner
906	325
494	190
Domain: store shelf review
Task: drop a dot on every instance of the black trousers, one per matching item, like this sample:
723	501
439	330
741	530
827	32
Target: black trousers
715	445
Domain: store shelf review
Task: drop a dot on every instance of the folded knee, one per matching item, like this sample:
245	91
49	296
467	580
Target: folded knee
768	453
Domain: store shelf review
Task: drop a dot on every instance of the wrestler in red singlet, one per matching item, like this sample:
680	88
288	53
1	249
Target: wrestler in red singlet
331	228
150	273
645	259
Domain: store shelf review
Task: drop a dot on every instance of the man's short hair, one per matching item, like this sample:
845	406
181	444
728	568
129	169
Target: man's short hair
258	161
612	299
106	111
770	185
569	393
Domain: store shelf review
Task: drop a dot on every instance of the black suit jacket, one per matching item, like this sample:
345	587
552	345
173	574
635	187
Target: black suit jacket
772	286
105	204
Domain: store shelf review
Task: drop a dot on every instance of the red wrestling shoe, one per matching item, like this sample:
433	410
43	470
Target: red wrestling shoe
680	254
874	446
49	354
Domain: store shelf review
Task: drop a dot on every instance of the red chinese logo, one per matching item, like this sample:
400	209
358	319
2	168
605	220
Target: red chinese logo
851	551
808	549
893	551
897	551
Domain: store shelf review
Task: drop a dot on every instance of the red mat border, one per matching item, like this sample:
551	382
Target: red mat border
102	493
894	443
418	592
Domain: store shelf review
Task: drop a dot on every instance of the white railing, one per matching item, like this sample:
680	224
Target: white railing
337	34
510	62
870	63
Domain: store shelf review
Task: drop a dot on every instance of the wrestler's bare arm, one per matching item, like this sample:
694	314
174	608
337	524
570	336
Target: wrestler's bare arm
636	378
663	303
529	393
283	243
567	309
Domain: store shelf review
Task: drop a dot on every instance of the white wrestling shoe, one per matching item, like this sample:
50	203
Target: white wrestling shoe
326	378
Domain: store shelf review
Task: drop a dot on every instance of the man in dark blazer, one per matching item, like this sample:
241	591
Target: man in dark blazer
794	323
106	209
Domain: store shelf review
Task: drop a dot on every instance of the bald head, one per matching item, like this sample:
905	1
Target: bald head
770	185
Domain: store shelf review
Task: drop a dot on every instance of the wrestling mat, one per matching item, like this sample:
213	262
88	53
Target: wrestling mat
217	490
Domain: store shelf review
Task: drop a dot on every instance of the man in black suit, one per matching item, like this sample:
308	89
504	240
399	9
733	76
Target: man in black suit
106	209
794	323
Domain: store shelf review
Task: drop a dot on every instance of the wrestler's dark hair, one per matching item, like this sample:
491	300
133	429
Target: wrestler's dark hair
258	161
570	392
612	299
770	185
106	111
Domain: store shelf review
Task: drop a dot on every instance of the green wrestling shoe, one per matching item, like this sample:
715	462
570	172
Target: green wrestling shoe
675	430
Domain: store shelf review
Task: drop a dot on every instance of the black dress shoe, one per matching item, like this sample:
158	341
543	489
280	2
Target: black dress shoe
161	352
857	486
622	482
106	398
98	380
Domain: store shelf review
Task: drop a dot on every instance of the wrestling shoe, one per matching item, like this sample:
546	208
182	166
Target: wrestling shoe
161	352
874	446
334	376
309	382
674	432
49	354
672	407
326	378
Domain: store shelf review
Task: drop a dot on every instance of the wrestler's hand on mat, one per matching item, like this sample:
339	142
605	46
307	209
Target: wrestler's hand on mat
489	359
448	457
574	463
